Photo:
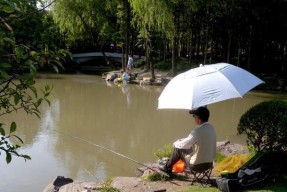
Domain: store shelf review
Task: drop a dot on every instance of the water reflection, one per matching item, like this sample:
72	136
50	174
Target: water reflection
126	91
123	118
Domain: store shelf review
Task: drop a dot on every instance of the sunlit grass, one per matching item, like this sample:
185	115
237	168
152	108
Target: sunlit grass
280	186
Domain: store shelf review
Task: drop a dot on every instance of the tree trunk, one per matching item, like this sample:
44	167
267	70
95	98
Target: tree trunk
147	54
249	48
228	46
173	55
127	35
205	45
164	50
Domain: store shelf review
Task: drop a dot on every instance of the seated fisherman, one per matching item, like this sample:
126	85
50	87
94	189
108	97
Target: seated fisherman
125	76
198	149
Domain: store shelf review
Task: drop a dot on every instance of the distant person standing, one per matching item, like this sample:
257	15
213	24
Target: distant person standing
130	63
112	47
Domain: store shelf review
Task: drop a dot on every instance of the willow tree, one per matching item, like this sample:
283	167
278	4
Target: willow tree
123	13
82	19
163	17
152	16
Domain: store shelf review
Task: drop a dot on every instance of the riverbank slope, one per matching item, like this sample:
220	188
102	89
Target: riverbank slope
138	183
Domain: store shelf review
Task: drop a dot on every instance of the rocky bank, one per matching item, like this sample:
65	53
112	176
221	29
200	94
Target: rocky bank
138	183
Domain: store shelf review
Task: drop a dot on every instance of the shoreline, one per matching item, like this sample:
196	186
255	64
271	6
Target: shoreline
272	83
137	183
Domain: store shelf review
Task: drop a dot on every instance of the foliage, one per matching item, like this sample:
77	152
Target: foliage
265	125
6	146
165	151
17	74
219	157
85	21
163	65
106	187
139	63
50	35
159	16
154	177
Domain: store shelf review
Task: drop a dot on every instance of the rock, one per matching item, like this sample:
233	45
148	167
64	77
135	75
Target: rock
132	184
126	184
227	148
75	186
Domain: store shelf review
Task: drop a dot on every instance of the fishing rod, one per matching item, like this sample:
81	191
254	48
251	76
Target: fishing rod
114	152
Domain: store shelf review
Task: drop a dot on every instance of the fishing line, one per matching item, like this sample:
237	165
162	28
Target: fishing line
114	152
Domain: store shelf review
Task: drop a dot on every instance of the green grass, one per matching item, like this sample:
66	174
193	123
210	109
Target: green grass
106	187
165	151
219	157
280	186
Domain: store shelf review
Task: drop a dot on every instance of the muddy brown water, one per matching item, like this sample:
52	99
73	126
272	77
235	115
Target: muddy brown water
122	118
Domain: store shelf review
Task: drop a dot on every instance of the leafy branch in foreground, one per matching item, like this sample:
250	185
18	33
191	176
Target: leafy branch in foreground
18	67
7	146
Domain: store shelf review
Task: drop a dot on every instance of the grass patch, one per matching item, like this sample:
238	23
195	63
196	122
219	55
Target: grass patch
106	187
219	157
279	186
165	151
200	189
155	177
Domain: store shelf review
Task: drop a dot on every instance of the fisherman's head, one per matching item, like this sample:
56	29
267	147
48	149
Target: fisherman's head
202	113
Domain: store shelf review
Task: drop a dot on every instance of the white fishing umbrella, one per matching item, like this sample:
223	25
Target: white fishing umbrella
205	85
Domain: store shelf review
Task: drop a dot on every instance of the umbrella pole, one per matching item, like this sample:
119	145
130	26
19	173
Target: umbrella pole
114	152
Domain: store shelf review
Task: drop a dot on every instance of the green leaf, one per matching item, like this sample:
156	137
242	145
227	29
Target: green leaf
19	51
34	54
2	131
33	70
8	26
18	138
38	103
7	9
27	157
47	88
17	98
8	157
5	65
6	39
13	127
47	94
4	74
34	90
36	111
48	101
56	68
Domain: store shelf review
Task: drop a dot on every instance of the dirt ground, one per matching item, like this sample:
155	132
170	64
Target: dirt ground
132	184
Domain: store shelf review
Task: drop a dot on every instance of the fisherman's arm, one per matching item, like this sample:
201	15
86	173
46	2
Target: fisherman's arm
186	143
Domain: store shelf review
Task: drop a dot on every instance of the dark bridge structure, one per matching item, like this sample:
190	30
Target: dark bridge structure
95	61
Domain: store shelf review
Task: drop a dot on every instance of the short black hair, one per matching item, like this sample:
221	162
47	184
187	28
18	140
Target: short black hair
201	112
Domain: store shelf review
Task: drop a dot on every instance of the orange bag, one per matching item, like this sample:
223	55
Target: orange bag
178	167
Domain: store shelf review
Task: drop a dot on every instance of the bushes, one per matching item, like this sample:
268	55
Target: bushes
265	125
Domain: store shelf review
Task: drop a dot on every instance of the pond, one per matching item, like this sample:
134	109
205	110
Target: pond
123	118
